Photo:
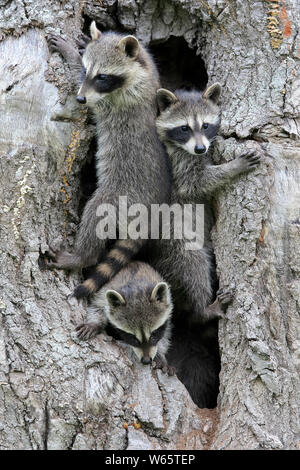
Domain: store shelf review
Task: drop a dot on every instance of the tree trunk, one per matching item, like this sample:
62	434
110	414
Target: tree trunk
61	393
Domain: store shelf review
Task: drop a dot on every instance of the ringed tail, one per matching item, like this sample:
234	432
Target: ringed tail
117	258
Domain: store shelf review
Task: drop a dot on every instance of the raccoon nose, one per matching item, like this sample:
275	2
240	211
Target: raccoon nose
200	149
81	99
146	360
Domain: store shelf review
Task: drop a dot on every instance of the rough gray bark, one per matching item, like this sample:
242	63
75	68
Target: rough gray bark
60	393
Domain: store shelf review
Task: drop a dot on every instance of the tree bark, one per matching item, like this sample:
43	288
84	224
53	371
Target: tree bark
61	393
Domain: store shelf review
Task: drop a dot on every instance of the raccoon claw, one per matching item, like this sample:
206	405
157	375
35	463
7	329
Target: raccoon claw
225	297
82	43
87	331
171	370
50	258
55	43
164	367
44	258
217	308
63	47
61	259
42	262
51	253
249	160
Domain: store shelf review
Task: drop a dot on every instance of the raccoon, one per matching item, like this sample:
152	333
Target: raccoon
119	85
188	124
134	307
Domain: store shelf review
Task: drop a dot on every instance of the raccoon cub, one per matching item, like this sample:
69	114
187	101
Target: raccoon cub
120	81
134	307
187	125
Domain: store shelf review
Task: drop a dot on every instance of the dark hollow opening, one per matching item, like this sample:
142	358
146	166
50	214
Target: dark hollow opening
88	178
178	65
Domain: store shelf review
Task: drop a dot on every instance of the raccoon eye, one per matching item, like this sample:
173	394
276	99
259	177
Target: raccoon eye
205	125
184	128
133	341
101	77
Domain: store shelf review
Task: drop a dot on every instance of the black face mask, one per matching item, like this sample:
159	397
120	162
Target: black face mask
106	83
121	335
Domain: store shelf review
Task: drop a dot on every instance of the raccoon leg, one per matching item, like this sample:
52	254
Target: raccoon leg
189	273
160	362
64	48
89	246
95	324
218	307
216	176
60	259
116	259
194	273
70	54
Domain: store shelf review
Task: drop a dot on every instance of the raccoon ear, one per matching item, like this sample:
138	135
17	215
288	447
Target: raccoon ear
130	45
114	298
161	293
95	33
212	93
165	98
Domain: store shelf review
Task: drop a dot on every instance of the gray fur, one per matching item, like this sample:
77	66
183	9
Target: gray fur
195	180
140	312
131	160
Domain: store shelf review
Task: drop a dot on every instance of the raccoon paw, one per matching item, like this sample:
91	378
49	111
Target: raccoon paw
56	43
61	259
87	331
50	258
64	48
47	259
225	296
82	42
248	160
171	370
161	364
217	308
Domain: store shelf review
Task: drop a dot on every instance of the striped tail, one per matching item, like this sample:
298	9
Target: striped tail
117	258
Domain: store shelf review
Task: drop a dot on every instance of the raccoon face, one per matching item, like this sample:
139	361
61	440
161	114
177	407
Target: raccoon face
110	63
189	120
140	320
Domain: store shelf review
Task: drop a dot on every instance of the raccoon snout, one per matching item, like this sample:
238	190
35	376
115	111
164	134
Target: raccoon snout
81	99
146	360
200	149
